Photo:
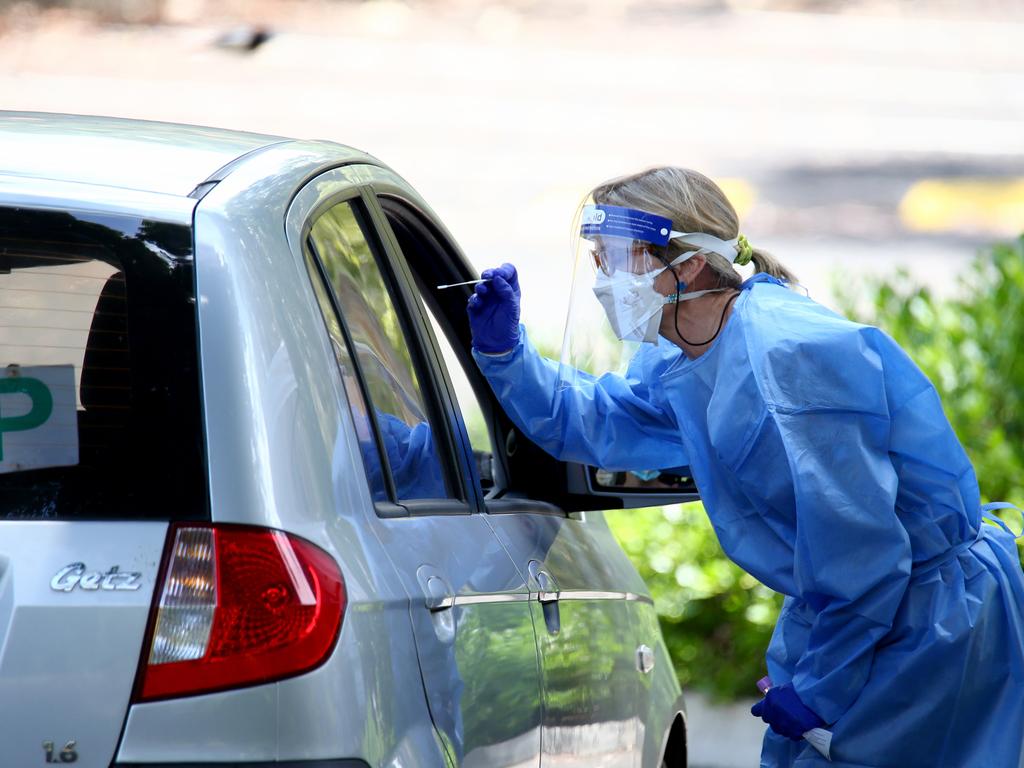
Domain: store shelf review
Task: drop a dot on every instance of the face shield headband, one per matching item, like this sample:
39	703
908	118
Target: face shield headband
600	222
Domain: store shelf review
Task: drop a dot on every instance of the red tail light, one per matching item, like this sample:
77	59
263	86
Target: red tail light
240	606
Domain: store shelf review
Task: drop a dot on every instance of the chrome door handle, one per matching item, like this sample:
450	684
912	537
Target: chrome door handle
437	595
644	659
547	590
547	596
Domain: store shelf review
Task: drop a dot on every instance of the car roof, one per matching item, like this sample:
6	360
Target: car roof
146	156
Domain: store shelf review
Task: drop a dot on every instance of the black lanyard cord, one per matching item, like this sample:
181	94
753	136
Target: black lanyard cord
721	322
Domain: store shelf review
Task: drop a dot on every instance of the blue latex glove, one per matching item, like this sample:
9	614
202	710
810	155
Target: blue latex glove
494	311
782	709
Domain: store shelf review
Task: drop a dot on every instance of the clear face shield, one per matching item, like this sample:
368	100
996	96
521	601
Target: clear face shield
614	307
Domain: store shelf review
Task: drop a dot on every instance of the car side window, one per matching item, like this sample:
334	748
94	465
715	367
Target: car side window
387	402
468	404
515	474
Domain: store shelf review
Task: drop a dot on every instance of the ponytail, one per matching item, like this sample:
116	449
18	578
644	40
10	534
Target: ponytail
765	262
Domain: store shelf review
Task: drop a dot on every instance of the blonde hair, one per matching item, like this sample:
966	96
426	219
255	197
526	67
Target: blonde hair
694	203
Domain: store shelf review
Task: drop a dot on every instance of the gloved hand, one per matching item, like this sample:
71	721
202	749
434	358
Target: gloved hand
494	310
782	709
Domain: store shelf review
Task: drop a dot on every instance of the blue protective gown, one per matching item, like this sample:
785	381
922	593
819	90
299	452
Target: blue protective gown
831	474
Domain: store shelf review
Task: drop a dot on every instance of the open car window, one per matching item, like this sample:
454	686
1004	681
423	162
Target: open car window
509	466
469	406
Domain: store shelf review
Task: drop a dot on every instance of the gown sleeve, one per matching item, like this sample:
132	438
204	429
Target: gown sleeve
614	422
852	555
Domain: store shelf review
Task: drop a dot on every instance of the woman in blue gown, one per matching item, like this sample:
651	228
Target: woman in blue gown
828	470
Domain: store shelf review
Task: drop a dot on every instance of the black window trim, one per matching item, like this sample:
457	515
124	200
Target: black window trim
507	501
433	358
479	385
362	202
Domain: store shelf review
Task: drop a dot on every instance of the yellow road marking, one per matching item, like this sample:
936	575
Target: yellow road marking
955	205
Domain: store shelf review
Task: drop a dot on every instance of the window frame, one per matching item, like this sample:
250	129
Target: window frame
395	276
505	436
460	346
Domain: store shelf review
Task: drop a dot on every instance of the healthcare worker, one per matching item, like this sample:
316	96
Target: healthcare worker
822	457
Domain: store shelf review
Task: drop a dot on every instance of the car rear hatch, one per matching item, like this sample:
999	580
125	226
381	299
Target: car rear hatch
100	449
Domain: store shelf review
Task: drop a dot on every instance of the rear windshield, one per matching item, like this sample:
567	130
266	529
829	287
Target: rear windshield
99	383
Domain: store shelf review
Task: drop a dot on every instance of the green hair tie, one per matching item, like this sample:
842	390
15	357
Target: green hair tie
744	252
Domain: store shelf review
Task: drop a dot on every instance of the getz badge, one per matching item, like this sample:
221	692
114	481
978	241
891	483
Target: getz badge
75	575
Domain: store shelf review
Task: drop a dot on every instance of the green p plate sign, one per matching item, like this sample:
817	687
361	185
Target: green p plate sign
38	418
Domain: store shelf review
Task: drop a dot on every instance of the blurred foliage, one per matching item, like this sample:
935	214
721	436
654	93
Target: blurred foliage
716	619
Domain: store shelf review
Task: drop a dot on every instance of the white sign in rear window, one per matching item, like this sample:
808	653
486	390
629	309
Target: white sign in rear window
38	418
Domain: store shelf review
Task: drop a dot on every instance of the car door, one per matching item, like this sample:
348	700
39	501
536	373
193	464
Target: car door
469	605
582	584
100	448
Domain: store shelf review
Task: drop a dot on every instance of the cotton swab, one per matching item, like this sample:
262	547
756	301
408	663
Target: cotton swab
468	282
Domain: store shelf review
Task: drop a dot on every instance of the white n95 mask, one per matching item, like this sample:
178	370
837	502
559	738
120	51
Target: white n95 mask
632	305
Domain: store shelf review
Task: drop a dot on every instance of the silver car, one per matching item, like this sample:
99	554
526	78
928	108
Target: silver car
257	504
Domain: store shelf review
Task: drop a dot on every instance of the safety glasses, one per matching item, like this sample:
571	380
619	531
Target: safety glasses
635	257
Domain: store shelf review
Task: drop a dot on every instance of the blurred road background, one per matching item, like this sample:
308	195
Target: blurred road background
852	137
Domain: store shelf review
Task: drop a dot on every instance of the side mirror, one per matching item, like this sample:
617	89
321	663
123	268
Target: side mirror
626	490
